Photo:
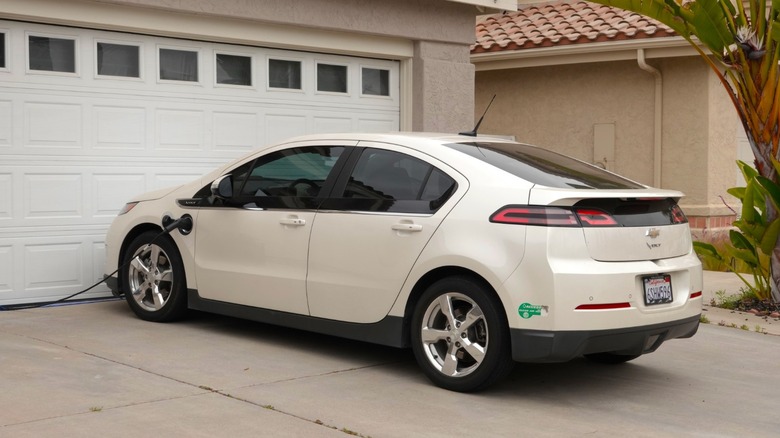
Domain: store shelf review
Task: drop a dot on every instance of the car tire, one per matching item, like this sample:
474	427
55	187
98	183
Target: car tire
460	336
153	280
611	358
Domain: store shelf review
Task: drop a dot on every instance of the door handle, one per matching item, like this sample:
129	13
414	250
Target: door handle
407	227
294	221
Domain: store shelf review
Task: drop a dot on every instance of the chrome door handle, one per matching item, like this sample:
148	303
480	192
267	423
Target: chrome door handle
293	221
407	227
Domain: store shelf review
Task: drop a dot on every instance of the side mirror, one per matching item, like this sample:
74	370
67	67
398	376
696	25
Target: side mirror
222	187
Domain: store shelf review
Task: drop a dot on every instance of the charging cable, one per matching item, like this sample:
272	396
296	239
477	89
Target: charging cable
184	224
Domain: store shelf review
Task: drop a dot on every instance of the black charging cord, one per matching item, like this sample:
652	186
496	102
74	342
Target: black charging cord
184	222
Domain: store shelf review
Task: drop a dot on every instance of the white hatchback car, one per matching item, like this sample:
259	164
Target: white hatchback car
476	252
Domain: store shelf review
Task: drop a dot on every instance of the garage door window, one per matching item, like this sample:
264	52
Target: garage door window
52	54
118	60
375	81
234	69
284	74
2	50
332	78
178	65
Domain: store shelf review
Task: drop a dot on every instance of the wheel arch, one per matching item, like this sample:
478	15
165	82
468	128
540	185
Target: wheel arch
129	237
432	277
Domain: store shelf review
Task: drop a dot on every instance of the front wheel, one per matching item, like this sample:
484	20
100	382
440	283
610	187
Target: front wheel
460	337
153	282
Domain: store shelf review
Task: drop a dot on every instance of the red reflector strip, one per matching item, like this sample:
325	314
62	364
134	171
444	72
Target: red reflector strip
604	306
696	294
549	216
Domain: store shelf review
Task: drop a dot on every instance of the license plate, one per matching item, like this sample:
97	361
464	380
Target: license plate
658	289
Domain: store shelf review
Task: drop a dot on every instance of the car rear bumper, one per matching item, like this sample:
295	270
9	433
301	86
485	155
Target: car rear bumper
562	346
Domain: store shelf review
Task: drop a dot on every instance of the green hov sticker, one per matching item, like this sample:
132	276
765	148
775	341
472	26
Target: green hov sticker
527	310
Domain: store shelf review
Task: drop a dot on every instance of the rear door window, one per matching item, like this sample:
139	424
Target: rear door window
389	181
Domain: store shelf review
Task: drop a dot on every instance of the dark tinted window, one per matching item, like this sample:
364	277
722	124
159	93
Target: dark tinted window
375	82
332	78
52	54
637	212
178	65
391	181
543	167
284	74
118	60
234	70
2	50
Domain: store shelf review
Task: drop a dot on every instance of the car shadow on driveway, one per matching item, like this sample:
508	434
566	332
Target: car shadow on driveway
527	380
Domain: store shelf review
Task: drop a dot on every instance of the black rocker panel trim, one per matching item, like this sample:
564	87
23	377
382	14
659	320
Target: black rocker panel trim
389	331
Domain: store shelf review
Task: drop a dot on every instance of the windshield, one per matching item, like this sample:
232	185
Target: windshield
544	167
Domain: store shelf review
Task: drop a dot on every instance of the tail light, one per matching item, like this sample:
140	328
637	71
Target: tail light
553	216
608	212
595	218
530	215
678	217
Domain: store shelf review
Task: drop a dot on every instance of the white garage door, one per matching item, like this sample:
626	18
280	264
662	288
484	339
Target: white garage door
90	118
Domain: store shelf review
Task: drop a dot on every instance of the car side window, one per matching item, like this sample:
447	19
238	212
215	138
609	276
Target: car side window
290	178
389	181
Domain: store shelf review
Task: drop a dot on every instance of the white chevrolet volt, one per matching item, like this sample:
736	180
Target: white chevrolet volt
475	252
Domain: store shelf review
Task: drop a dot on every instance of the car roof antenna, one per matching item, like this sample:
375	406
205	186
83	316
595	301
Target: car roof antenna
473	132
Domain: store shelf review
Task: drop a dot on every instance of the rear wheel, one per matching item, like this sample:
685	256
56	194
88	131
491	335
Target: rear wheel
154	283
460	337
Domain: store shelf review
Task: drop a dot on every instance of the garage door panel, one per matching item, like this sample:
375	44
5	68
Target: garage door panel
281	126
235	131
376	125
53	124
6	123
6	196
162	180
6	269
180	130
53	196
119	127
111	191
332	124
53	265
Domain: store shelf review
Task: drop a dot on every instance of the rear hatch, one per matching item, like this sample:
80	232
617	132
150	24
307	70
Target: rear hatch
621	220
646	229
643	224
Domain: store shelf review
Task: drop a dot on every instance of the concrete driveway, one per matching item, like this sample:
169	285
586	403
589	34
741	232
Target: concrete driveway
94	370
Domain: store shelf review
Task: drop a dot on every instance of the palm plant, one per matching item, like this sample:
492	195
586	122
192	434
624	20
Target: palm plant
740	41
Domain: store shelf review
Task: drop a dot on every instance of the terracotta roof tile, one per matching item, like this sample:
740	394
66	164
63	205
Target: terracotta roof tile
562	22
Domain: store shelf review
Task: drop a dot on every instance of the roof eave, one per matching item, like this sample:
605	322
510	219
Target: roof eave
662	47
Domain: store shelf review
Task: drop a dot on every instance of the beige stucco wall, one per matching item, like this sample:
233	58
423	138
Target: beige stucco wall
444	75
433	20
430	38
699	136
557	107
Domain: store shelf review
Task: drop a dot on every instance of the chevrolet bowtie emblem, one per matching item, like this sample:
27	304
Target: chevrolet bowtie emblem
653	233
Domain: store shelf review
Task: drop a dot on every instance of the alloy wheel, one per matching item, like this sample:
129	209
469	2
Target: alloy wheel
454	334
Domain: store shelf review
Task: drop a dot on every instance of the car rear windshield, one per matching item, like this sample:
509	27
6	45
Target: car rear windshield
543	167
